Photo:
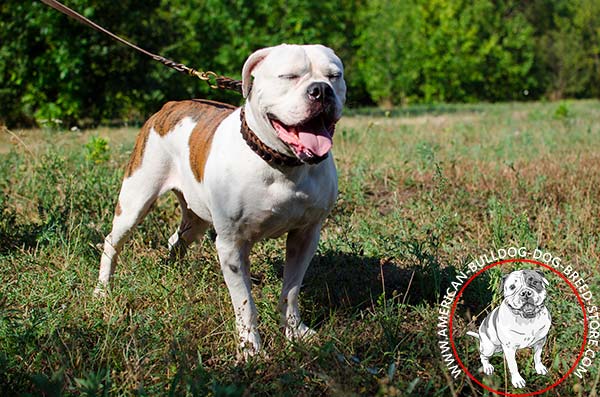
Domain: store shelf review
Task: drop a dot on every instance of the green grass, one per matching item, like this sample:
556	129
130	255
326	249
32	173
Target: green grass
423	191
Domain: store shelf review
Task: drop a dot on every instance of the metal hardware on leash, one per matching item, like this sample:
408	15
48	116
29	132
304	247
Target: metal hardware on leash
211	78
205	76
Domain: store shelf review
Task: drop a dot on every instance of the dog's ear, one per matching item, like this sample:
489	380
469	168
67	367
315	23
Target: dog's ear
541	273
252	61
504	277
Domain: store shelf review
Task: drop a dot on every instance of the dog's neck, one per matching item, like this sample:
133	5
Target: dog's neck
264	151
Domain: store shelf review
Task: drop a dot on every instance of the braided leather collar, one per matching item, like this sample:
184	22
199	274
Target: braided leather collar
271	156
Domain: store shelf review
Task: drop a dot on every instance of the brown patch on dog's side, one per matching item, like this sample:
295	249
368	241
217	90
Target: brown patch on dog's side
207	114
135	161
212	114
118	209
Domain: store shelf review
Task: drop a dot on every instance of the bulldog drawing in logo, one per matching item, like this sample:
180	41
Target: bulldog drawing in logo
522	320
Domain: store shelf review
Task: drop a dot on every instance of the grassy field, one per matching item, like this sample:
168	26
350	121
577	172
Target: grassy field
423	191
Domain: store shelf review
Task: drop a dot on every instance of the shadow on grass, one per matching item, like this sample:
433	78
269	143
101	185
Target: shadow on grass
352	282
18	236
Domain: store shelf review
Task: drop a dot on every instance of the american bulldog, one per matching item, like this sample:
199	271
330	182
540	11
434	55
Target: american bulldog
254	172
522	320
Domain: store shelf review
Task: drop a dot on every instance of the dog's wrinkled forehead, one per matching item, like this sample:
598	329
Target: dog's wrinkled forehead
534	279
518	279
296	60
291	64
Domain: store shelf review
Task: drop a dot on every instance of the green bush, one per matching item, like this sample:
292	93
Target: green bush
562	111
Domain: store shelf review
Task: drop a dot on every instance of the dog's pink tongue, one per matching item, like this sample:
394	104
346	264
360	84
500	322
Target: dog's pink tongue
315	137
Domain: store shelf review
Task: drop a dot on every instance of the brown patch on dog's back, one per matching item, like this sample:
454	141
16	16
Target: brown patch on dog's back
169	116
207	114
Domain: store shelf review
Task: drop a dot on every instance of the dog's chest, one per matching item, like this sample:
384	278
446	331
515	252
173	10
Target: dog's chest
291	201
279	204
250	199
255	203
521	332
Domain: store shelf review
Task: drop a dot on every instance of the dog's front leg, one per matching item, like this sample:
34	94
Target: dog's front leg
540	368
233	256
300	248
511	360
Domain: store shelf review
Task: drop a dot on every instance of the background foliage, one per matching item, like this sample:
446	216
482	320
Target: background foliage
54	70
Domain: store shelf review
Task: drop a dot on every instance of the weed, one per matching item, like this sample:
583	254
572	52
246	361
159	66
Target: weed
562	111
97	150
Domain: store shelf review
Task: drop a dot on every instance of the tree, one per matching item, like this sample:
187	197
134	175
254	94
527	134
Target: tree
445	50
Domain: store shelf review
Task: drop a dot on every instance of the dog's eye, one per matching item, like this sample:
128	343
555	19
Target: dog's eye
512	287
289	76
334	75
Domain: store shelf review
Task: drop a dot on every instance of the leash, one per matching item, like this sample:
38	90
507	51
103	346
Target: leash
211	78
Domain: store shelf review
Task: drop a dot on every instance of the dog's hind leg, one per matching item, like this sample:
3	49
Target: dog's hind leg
486	350
134	203
190	229
145	180
487	368
300	248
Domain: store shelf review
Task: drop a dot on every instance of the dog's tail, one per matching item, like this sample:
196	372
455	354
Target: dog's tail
473	334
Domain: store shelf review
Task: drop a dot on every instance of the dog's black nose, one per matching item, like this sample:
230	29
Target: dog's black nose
319	91
526	294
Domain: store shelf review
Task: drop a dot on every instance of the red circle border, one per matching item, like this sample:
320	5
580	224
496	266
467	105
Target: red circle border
585	328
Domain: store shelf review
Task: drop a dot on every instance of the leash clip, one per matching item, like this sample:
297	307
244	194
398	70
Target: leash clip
208	76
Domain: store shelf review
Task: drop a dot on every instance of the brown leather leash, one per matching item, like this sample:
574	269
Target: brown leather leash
211	78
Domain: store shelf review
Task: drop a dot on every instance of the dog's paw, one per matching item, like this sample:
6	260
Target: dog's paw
488	369
249	346
177	249
517	381
101	291
541	369
300	332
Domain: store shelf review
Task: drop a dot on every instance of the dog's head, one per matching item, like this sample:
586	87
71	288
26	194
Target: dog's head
525	291
296	97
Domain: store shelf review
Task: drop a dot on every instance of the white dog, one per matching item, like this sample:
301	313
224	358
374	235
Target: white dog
522	320
253	173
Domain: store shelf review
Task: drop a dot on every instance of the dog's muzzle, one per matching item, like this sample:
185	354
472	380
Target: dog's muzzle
528	307
320	92
311	139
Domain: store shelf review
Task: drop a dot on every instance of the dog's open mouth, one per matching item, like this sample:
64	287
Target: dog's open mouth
529	310
308	140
